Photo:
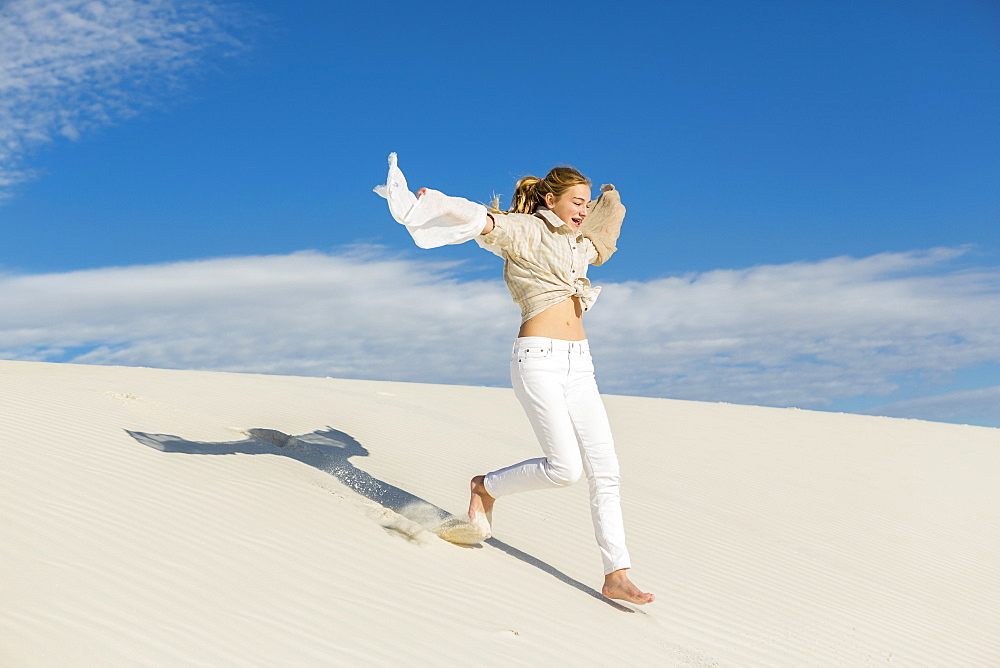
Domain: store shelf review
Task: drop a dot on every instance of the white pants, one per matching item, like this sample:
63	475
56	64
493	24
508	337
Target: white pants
554	381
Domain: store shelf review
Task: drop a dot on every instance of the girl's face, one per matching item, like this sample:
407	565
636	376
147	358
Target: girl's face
571	206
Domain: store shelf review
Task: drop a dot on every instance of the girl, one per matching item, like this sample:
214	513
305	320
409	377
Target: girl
547	238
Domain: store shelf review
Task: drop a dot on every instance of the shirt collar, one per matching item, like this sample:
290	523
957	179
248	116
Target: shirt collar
554	221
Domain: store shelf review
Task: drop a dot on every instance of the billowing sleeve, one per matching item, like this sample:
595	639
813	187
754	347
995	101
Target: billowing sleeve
434	219
603	224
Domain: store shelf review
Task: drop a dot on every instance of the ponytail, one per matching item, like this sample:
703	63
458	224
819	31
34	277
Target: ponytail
530	191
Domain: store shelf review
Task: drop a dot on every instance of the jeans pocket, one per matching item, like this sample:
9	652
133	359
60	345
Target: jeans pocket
532	353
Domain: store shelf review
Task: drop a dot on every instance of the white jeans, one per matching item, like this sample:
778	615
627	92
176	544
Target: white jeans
554	381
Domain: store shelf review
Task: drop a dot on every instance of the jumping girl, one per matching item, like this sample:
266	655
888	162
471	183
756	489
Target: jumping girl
547	238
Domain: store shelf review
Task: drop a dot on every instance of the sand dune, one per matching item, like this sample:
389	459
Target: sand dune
174	517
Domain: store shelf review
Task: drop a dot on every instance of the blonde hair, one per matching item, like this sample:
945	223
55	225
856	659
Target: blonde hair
530	191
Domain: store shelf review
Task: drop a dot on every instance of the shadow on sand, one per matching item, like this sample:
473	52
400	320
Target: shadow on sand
329	451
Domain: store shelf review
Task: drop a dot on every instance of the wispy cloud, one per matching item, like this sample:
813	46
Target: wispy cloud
803	334
67	67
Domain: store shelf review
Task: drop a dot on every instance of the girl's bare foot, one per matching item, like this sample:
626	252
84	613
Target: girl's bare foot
481	506
617	585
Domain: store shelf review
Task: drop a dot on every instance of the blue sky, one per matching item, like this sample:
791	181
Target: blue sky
813	190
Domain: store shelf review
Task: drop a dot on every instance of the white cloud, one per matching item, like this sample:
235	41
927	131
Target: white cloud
67	67
803	334
350	314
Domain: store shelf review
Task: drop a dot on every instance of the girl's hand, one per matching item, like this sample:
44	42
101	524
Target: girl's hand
421	192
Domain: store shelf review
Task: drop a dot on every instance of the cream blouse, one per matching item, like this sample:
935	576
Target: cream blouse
545	259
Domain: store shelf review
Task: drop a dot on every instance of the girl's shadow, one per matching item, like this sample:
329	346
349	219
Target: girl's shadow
328	450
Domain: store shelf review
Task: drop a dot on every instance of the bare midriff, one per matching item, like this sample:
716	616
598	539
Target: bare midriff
563	321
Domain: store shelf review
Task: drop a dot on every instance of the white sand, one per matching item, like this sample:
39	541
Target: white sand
770	537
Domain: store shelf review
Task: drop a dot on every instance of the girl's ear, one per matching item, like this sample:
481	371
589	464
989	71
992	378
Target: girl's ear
550	199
